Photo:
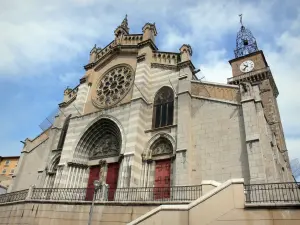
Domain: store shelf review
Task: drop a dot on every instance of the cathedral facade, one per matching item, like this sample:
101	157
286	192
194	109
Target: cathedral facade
140	117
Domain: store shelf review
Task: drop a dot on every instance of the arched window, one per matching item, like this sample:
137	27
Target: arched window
52	172
163	108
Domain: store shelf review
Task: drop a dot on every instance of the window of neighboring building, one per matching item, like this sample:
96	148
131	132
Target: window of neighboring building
163	107
4	171
7	162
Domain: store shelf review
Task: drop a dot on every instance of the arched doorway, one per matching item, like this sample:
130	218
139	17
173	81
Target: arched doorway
158	162
52	172
101	145
162	176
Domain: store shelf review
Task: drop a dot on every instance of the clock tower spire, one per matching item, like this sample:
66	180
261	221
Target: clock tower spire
245	41
250	65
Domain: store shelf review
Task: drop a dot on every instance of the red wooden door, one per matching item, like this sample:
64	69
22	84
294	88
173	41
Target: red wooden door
94	175
162	179
112	179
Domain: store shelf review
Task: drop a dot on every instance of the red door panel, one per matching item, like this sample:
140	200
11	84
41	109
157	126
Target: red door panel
94	175
112	179
162	179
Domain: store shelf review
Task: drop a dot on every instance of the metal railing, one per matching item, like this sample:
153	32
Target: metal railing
62	194
14	196
273	192
176	193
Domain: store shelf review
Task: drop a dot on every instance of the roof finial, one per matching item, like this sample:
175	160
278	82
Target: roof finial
241	19
123	28
125	22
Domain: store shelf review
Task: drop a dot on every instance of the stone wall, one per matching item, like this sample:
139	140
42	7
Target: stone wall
219	139
224	205
134	120
217	91
29	167
70	214
263	154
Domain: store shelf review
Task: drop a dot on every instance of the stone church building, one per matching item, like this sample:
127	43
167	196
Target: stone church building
140	117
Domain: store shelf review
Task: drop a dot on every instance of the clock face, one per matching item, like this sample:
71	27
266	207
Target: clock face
113	86
247	66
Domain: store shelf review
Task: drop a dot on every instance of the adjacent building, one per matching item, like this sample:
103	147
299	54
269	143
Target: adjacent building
8	165
140	117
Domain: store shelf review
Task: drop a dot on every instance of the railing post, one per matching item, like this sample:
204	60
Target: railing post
30	192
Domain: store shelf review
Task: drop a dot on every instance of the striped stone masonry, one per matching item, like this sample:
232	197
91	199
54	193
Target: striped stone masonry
214	136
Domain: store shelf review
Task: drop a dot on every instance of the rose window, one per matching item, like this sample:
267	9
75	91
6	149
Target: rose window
113	86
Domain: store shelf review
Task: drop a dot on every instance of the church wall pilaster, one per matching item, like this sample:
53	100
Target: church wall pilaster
125	171
135	138
142	82
257	167
184	135
59	178
51	145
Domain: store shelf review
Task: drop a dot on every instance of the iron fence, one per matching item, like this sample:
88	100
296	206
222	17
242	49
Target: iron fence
176	193
65	194
273	192
14	196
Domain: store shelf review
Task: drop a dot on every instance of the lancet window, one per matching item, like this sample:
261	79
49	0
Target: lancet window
163	107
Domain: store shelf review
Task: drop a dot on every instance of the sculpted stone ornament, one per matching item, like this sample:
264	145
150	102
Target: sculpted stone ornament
107	146
113	86
102	164
162	148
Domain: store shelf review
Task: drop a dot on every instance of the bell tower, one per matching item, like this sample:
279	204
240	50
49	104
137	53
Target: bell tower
250	65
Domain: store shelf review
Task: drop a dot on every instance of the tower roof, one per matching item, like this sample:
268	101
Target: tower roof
245	41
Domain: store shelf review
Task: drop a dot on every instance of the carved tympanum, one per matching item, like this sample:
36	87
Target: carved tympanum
107	146
113	86
162	147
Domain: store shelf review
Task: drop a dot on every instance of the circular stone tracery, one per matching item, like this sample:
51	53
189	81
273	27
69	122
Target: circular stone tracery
113	86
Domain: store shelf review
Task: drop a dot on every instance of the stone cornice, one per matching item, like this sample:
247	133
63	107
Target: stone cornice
147	42
216	100
215	84
249	55
141	58
82	80
65	104
161	128
110	53
186	64
89	66
164	66
76	164
120	49
177	67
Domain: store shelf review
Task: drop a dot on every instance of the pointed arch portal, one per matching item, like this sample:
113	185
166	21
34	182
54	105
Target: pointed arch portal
102	140
160	147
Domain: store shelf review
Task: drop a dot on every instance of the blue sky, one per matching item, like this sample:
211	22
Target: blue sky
44	45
